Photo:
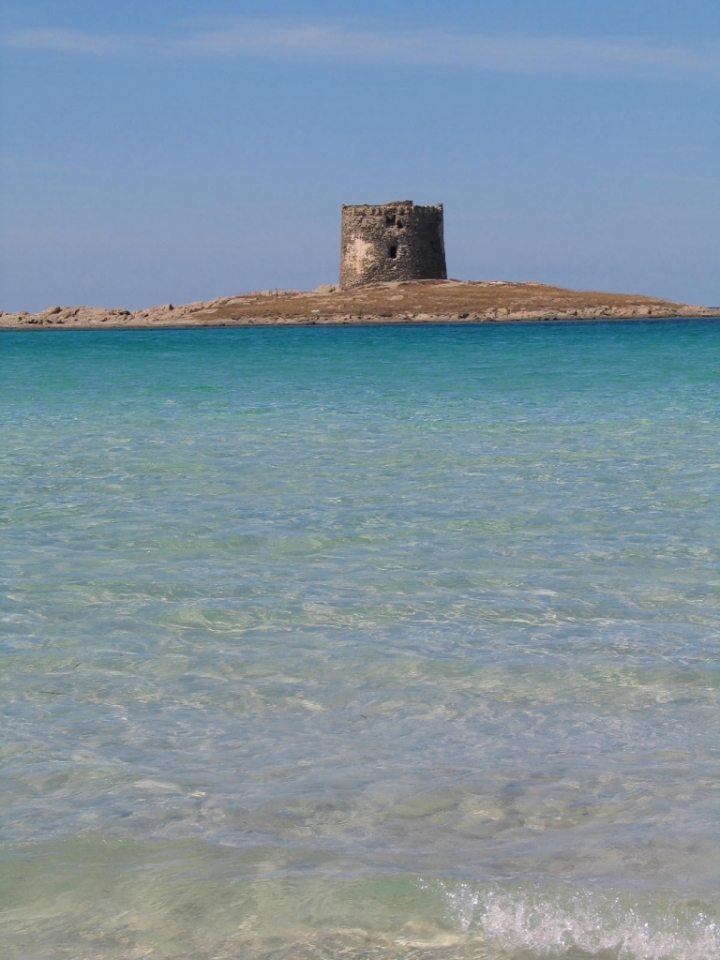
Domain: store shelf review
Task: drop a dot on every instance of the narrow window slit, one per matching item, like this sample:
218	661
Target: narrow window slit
392	252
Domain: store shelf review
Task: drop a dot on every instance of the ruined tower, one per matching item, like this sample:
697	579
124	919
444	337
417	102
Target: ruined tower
394	241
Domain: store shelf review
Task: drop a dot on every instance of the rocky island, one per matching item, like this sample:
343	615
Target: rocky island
414	301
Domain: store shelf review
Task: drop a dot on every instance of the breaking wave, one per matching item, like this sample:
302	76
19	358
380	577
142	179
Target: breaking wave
568	922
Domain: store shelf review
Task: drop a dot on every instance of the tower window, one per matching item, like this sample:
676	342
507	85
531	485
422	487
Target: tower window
392	251
390	220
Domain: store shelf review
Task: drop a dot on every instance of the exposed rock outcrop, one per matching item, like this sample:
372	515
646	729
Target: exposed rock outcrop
427	301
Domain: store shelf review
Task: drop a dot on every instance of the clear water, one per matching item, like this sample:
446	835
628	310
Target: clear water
349	643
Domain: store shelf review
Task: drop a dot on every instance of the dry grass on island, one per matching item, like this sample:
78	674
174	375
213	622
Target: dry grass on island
418	301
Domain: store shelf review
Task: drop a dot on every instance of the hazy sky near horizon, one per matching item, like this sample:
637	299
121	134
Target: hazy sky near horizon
159	151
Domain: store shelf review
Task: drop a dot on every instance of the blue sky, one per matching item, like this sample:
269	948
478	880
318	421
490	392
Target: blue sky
172	151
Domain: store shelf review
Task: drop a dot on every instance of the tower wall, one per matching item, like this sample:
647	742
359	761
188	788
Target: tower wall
394	241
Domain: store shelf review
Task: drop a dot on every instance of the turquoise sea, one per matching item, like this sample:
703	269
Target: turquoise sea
343	643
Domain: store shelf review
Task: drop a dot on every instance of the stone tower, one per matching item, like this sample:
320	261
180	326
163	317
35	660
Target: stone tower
395	241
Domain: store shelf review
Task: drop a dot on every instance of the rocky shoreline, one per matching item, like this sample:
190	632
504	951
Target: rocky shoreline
425	301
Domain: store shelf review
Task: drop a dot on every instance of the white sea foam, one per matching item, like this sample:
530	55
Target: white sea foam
556	924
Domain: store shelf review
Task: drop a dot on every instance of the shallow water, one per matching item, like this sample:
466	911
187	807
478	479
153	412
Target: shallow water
381	642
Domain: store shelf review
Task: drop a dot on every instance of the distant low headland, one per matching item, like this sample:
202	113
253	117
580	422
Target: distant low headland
397	302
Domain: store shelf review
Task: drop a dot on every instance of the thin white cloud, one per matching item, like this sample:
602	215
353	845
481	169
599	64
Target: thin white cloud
57	40
350	42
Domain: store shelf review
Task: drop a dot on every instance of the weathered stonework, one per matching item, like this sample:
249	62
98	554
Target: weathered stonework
394	241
